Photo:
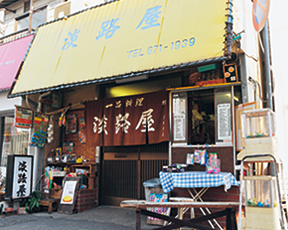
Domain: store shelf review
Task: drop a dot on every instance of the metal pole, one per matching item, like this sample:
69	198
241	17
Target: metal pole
267	66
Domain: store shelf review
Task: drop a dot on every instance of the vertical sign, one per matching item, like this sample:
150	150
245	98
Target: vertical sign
179	117
19	176
224	121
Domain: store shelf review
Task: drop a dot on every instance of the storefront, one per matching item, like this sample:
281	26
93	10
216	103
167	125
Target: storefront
136	72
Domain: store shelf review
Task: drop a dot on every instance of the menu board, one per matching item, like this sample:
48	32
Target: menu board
224	121
179	117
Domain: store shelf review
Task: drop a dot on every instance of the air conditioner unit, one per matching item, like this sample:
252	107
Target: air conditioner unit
62	10
69	7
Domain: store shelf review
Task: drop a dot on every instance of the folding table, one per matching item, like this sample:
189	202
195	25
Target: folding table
196	179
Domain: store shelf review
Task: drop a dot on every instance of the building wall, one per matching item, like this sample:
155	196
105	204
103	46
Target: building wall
242	12
9	24
278	36
8	104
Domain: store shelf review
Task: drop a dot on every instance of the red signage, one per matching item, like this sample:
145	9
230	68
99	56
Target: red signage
260	13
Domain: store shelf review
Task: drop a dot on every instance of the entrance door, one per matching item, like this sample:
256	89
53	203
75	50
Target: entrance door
126	168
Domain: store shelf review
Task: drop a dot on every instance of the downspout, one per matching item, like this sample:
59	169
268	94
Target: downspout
39	100
267	67
268	78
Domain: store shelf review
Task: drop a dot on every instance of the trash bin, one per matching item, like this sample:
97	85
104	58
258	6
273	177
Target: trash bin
152	186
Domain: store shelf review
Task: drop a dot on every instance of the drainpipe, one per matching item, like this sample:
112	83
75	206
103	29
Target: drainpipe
267	67
268	78
39	100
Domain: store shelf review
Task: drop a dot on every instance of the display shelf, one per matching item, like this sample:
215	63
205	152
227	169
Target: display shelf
92	172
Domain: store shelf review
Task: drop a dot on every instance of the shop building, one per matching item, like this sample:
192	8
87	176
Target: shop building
16	34
184	66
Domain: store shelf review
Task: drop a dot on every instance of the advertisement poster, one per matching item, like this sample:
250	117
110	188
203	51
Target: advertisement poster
23	117
68	192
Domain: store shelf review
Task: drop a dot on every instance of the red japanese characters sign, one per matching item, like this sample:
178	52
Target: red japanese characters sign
128	120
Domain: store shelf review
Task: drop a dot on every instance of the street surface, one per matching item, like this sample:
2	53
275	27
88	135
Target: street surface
101	217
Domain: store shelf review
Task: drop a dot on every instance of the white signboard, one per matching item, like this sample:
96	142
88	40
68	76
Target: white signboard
224	121
22	176
68	192
179	119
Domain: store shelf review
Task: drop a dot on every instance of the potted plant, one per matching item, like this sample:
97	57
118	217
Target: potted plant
32	204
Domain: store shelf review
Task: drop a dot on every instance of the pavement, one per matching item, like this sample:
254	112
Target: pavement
101	217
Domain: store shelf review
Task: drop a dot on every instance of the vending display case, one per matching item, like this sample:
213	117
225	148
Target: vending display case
261	203
259	132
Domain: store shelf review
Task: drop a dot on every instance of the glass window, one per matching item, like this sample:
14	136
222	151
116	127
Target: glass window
201	117
38	18
208	116
15	140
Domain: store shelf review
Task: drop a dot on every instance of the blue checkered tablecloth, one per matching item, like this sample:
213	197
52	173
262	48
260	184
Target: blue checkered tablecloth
169	181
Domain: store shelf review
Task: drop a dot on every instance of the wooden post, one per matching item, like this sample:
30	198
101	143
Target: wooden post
138	219
30	16
228	219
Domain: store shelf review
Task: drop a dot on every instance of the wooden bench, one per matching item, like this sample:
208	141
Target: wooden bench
51	204
228	210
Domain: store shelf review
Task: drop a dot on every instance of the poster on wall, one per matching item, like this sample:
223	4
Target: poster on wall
23	117
19	176
224	121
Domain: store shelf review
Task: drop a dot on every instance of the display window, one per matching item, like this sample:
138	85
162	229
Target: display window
204	116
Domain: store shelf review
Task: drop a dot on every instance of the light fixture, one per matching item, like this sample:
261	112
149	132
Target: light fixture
131	79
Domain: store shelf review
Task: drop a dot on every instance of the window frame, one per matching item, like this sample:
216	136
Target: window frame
232	87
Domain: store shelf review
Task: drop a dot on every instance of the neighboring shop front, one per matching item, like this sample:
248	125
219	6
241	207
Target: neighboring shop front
151	83
14	137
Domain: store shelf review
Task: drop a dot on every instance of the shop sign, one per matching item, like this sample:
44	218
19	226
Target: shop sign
135	36
128	120
23	117
19	176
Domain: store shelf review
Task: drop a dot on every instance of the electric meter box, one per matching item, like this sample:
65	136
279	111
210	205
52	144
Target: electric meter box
259	133
261	203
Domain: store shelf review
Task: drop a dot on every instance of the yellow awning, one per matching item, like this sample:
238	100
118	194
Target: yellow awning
120	38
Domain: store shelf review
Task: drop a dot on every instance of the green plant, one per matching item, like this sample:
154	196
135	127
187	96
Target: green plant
32	204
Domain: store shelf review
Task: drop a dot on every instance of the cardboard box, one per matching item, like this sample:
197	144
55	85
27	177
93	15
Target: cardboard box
56	193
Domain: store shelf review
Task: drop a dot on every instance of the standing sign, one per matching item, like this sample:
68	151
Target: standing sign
19	176
260	13
68	195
